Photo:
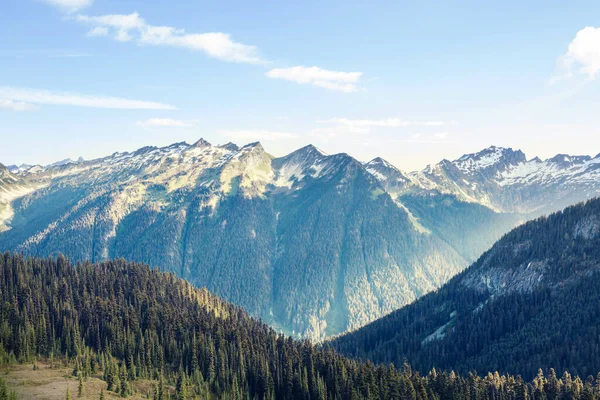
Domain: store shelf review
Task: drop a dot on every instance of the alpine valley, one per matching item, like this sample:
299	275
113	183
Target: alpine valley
530	301
313	244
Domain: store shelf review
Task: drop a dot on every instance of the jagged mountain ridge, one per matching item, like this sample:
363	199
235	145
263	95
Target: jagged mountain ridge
312	243
530	300
504	180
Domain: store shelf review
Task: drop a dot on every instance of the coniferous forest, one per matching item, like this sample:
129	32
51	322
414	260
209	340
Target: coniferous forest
531	301
130	322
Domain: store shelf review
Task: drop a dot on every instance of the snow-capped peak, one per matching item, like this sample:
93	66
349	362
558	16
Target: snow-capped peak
497	157
567	160
392	179
378	161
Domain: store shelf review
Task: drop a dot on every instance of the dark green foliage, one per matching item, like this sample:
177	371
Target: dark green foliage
531	301
133	322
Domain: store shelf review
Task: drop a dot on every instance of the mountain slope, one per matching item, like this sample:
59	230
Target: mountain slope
124	327
530	300
311	243
314	244
131	323
11	187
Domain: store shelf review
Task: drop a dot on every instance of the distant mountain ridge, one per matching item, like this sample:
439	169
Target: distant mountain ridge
504	180
314	244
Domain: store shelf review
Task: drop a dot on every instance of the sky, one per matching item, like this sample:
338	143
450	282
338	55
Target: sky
412	82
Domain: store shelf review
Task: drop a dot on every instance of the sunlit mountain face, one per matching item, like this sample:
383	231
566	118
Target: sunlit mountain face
314	244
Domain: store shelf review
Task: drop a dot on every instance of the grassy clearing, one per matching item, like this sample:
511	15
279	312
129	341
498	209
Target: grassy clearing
48	383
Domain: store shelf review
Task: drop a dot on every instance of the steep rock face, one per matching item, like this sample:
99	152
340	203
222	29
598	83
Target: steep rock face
528	301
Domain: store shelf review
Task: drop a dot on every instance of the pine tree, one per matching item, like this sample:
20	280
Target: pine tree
125	389
181	387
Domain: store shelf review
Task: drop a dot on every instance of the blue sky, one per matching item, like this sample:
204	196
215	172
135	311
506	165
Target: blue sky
413	82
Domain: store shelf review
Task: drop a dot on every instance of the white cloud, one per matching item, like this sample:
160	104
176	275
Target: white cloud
333	80
584	53
441	135
15	105
70	5
78	100
383	123
132	27
264	135
98	31
164	122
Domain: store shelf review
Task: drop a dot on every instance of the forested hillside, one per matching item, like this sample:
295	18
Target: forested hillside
532	300
311	243
129	322
314	244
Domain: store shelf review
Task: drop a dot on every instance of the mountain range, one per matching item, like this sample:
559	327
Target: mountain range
314	244
530	301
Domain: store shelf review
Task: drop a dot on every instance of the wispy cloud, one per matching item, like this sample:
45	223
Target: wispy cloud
263	135
132	27
583	55
333	80
164	122
15	105
69	5
366	124
36	96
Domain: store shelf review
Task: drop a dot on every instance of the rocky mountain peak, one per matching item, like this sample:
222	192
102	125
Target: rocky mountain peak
493	158
143	150
253	145
384	171
380	161
201	143
306	154
230	146
565	160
